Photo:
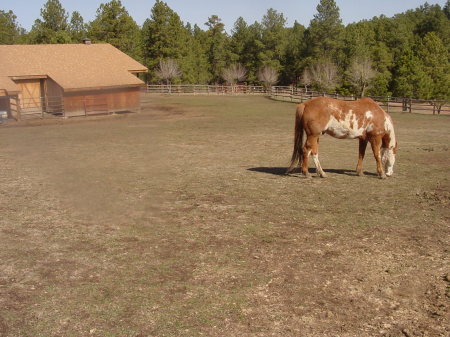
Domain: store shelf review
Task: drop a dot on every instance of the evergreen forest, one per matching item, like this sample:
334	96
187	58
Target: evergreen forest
406	55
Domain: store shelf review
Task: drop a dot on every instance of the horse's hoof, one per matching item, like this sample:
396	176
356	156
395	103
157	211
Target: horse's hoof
323	175
360	174
383	176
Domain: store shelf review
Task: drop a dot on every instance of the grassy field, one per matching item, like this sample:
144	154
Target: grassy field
179	221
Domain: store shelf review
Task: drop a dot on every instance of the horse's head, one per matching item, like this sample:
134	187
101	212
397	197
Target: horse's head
388	159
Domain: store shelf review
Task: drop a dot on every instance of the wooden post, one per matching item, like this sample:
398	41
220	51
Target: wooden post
387	102
18	109
43	107
410	105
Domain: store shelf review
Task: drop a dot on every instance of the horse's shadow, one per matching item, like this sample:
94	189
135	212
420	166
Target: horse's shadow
281	171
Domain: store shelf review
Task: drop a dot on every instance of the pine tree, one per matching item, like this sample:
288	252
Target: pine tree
325	32
164	37
274	39
382	61
447	9
9	28
77	28
410	79
195	63
434	57
218	52
292	62
114	25
53	28
246	45
431	18
240	36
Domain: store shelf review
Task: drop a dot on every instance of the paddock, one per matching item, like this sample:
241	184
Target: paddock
180	221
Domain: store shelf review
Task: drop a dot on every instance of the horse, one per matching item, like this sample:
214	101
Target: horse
363	119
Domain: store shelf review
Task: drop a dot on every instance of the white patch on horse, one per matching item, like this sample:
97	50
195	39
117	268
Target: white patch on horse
318	166
387	154
388	160
369	114
389	127
346	128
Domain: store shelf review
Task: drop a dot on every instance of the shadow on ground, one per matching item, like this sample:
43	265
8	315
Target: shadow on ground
281	171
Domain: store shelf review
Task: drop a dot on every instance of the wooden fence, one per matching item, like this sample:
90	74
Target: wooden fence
205	89
390	104
298	95
53	106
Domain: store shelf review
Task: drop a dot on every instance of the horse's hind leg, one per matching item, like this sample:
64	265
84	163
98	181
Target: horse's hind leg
362	151
307	147
315	155
312	146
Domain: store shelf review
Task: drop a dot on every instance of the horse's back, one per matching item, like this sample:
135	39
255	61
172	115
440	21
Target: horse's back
328	106
344	119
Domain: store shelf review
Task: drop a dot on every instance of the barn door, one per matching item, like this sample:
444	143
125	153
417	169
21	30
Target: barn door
30	96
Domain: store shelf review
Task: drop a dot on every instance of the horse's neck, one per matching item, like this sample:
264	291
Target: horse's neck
389	126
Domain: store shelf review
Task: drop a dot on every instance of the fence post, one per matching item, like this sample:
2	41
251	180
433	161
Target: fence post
387	102
43	106
19	109
410	105
63	109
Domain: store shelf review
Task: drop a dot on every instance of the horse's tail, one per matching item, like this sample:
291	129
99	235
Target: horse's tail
298	139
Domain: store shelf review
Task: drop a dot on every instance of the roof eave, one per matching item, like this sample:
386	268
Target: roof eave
27	77
104	87
139	71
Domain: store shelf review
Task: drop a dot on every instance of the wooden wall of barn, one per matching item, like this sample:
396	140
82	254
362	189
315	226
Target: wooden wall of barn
4	103
53	96
91	102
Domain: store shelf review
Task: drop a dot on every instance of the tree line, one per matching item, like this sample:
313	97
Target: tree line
404	55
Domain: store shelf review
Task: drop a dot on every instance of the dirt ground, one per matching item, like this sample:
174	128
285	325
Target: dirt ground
179	221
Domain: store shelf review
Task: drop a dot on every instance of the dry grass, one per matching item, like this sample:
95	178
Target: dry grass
179	221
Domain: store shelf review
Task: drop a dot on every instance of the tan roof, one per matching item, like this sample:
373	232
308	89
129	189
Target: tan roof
72	66
7	85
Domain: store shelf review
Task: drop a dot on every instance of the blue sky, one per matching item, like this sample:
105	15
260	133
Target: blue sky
198	11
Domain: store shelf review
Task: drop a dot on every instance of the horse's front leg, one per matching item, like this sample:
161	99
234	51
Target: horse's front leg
362	152
305	158
375	143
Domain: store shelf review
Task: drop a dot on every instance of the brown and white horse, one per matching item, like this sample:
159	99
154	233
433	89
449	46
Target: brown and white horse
362	119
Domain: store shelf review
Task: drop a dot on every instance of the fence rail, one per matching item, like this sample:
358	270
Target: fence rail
44	107
390	104
298	95
53	106
205	89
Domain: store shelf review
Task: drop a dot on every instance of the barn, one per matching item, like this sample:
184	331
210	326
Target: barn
68	80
